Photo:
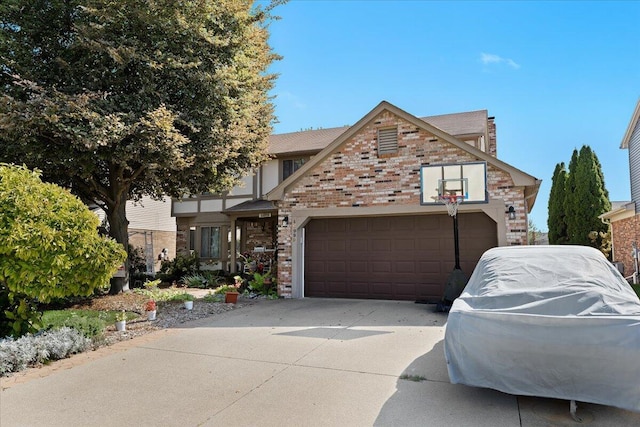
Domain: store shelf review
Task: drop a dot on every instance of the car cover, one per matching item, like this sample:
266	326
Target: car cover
548	321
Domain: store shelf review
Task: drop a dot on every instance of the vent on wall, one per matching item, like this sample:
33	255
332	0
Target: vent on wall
387	140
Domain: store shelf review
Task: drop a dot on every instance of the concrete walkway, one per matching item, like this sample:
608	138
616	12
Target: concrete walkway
312	362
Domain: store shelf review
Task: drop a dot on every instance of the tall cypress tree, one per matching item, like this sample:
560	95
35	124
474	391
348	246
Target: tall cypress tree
557	222
571	200
593	200
586	199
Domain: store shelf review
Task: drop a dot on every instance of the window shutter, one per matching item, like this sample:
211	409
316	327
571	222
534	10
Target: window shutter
387	140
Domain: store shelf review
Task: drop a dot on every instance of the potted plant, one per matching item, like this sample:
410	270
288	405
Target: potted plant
121	321
150	308
187	299
230	291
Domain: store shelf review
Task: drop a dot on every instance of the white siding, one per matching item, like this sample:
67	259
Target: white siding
244	189
185	207
213	205
151	214
270	176
634	165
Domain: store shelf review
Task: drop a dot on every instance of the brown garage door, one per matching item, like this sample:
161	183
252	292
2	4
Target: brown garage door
400	258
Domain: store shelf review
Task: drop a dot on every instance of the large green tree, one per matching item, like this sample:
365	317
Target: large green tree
556	220
576	201
121	99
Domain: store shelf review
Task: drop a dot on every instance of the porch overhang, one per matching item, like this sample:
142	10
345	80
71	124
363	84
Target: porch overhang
256	209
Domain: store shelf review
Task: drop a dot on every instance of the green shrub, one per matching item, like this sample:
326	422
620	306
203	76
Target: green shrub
157	294
173	270
194	281
49	248
263	285
213	297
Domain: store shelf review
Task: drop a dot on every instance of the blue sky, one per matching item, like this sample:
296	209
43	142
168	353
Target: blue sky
556	75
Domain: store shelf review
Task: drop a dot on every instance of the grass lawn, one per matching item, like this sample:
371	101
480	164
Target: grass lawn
90	322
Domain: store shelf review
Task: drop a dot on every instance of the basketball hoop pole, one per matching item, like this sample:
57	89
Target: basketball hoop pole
456	245
452	202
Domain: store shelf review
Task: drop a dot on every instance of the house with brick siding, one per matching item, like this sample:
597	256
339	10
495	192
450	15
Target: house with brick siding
624	216
341	212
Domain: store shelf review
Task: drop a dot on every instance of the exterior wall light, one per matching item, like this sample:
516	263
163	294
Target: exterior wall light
285	221
512	212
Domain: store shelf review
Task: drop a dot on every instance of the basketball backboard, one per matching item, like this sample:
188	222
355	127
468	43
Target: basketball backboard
468	180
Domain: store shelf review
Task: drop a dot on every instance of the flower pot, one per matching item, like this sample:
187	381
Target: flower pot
121	325
188	305
231	297
151	315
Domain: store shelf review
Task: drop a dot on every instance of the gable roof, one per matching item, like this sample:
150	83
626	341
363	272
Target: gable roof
312	141
635	118
519	177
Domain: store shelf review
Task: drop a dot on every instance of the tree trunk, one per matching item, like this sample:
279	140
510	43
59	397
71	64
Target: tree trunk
119	230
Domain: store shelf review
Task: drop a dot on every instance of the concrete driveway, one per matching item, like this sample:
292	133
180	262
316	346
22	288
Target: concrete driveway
311	362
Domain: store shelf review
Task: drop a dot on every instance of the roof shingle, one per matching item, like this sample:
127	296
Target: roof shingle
312	141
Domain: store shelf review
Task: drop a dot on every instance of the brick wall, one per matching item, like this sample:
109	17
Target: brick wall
260	233
625	232
355	176
182	236
492	147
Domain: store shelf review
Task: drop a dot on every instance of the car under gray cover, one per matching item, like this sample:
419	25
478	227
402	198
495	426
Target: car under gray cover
548	321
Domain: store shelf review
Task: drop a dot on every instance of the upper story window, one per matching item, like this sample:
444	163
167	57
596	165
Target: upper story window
290	166
387	140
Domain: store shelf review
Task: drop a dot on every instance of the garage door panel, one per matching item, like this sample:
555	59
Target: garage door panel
428	243
336	266
316	246
381	245
402	257
358	267
359	288
354	225
404	244
337	288
382	290
380	224
335	227
358	245
382	267
406	267
316	267
404	291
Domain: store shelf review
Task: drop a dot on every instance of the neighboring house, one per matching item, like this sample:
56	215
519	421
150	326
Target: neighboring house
346	213
152	228
625	216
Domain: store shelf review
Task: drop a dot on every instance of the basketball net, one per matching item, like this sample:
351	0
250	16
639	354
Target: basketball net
451	201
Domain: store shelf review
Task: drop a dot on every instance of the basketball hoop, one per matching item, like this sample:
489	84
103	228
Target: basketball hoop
451	201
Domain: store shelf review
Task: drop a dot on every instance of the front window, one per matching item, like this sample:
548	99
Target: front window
210	242
290	166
